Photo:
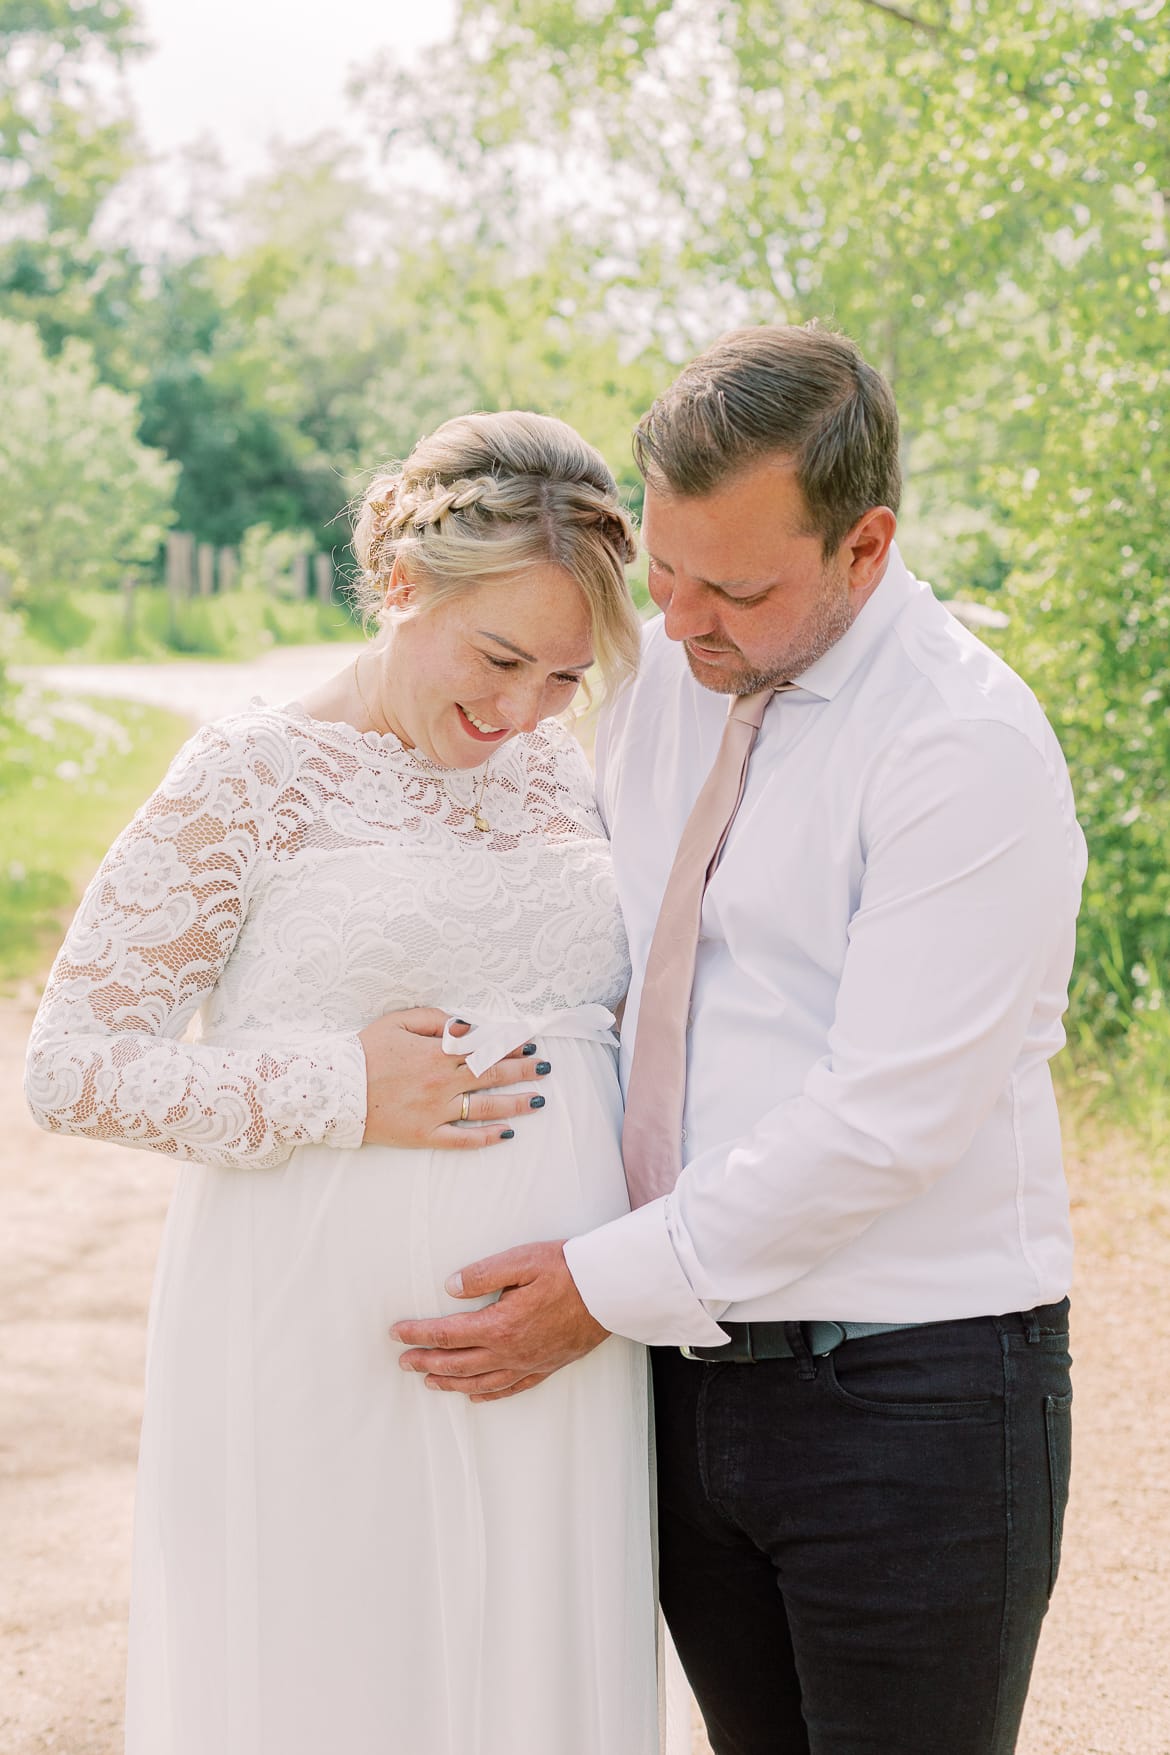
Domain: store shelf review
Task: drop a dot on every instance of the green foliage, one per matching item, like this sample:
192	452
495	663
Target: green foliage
80	497
279	375
211	404
1090	628
91	627
977	191
64	146
267	556
71	774
502	338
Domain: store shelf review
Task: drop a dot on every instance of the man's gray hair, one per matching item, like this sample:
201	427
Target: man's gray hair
802	392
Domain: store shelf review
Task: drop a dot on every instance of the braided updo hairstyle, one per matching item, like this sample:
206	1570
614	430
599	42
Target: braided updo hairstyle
486	496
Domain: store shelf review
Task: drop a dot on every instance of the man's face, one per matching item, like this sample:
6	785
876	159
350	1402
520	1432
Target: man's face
744	585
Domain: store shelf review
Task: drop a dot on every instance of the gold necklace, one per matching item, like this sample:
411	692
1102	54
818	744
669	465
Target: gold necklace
475	810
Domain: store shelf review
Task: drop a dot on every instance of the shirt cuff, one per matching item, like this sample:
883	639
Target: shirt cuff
631	1282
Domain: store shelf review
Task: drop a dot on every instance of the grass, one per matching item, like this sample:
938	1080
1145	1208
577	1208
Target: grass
1122	1084
72	774
91	627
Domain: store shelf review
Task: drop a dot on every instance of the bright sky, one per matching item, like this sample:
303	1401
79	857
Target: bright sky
244	71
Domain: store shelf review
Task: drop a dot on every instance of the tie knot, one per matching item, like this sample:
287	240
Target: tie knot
749	709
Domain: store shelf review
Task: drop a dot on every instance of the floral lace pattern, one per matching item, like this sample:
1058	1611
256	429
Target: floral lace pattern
292	880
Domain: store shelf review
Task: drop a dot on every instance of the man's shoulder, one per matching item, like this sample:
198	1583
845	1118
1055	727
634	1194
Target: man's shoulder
947	698
959	678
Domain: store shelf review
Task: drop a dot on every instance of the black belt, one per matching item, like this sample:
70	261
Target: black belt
752	1341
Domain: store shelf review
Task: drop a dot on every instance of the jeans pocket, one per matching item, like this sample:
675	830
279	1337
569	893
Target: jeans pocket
895	1395
1058	1430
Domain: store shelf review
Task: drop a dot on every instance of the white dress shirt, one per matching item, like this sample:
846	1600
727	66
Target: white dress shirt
870	1132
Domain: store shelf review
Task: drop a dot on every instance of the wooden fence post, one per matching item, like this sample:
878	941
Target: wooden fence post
323	578
187	563
206	568
174	582
128	583
300	577
229	569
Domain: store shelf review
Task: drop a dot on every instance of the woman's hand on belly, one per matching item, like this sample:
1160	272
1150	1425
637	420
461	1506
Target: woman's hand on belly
417	1095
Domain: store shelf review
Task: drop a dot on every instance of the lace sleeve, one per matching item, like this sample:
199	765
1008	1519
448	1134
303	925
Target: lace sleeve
151	936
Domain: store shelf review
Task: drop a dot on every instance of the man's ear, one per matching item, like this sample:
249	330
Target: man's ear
865	549
400	591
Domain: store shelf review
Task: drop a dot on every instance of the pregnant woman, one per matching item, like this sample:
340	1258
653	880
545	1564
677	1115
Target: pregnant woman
329	1560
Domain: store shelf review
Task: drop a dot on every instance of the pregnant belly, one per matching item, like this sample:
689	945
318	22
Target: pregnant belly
364	1237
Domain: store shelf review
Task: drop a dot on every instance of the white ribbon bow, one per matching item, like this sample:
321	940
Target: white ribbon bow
490	1039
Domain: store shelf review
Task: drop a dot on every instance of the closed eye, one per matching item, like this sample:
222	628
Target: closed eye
740	602
571	680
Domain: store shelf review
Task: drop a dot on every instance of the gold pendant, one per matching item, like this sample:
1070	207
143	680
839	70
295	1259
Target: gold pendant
482	824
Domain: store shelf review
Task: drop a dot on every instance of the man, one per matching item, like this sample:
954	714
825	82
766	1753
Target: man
855	1289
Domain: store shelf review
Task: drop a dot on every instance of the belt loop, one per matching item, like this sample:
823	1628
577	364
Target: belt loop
801	1351
1031	1322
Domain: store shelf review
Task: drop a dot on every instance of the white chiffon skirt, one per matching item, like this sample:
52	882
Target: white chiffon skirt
331	1559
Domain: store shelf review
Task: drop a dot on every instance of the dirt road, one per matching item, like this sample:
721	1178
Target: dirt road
201	689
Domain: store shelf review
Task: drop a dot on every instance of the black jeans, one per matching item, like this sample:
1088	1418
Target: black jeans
857	1551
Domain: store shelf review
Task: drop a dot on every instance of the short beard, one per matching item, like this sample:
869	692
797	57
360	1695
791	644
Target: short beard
832	617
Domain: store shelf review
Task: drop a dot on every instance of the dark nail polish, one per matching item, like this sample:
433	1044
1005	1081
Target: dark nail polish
529	1048
462	1021
536	1102
543	1066
509	1133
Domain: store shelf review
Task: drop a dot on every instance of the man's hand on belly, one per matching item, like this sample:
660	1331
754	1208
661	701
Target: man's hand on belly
537	1324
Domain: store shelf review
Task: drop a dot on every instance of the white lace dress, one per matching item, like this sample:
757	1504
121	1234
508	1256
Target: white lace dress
330	1559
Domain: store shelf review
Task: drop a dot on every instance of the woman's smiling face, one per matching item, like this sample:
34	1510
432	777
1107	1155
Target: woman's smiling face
459	680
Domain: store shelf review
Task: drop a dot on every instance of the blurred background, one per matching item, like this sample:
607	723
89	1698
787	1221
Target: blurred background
248	251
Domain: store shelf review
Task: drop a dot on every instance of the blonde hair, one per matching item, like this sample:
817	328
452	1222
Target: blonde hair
487	495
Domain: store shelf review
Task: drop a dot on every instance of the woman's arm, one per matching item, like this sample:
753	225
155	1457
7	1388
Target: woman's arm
150	940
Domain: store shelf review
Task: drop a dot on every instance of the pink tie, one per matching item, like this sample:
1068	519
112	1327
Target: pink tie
652	1132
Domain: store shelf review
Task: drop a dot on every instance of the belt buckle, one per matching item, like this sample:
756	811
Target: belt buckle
738	1351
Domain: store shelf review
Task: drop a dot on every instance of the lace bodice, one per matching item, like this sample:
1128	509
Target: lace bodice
292	880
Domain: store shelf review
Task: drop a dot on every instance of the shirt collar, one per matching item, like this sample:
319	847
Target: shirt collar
828	676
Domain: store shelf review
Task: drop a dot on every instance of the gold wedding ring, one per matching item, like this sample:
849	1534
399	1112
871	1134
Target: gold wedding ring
465	1110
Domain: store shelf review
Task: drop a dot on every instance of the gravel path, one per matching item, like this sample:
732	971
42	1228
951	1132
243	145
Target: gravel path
201	689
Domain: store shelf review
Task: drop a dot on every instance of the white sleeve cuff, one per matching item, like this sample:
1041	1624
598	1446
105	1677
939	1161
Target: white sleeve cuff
632	1283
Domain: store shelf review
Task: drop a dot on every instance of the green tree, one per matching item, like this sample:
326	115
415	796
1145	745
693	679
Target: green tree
258	353
476	330
281	371
65	144
81	499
